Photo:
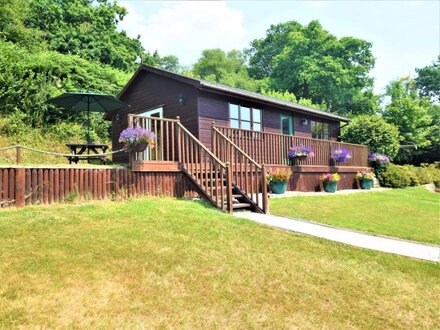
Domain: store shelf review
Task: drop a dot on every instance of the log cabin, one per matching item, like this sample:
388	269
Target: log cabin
221	135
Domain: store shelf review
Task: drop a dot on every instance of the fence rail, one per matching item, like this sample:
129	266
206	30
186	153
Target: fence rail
272	148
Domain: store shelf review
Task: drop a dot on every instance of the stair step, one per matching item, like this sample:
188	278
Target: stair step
237	195
240	205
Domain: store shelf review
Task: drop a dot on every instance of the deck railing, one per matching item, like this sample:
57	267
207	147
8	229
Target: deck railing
176	144
272	148
247	175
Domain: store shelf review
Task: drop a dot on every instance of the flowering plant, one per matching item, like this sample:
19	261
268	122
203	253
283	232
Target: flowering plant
134	137
378	159
330	177
299	151
341	155
280	174
365	175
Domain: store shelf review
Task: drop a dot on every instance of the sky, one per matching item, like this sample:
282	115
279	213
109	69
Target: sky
405	34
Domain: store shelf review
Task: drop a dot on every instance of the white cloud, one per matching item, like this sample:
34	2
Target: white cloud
185	28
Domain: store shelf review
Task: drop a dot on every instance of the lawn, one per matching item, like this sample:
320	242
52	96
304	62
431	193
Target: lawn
411	213
181	264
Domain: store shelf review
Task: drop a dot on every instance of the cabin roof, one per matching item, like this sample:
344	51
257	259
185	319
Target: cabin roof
233	91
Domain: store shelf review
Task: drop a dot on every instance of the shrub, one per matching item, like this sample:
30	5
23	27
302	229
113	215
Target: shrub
374	132
411	174
395	177
423	175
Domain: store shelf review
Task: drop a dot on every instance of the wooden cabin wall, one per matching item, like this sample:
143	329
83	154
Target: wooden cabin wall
215	107
148	91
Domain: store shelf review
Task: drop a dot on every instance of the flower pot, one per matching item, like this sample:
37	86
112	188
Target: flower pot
278	187
330	186
366	184
139	146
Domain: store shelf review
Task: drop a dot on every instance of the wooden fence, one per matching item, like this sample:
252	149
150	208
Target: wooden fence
30	185
272	148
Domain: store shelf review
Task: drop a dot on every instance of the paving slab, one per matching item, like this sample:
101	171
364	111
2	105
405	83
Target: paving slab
355	238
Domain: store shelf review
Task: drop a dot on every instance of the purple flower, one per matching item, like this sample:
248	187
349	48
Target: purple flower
341	155
133	136
378	159
298	151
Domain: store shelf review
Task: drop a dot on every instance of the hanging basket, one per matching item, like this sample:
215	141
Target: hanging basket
139	147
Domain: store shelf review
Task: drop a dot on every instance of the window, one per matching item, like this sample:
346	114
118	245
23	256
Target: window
286	124
320	130
244	117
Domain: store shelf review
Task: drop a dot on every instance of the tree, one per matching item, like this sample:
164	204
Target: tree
313	64
373	131
428	80
408	111
286	96
86	28
226	68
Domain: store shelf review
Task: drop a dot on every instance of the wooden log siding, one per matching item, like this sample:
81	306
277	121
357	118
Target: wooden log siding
25	185
272	148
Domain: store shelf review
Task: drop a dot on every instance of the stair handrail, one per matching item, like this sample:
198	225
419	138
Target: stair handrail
262	167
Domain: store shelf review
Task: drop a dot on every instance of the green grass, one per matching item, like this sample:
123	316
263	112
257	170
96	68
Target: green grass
180	264
411	213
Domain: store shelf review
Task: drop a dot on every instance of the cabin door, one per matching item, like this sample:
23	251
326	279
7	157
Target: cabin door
286	129
153	126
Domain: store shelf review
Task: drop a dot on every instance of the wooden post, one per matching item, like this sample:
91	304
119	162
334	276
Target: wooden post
213	149
264	188
20	187
229	188
179	141
18	155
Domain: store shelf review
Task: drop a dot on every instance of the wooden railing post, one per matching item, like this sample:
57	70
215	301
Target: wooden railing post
264	189
229	199
20	186
213	148
179	141
18	155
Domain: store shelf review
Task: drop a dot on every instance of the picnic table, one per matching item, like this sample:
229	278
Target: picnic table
87	151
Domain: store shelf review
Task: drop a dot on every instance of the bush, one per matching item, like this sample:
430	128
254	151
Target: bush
395	177
374	132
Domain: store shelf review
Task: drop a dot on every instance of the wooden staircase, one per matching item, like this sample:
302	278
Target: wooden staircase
218	179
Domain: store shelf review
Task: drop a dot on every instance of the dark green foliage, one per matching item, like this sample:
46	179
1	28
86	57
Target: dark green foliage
86	28
226	68
313	64
428	80
29	79
374	132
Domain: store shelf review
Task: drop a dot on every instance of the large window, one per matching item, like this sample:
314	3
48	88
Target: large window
320	130
245	117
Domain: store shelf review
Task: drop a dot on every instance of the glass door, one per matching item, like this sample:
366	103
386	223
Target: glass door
286	124
153	126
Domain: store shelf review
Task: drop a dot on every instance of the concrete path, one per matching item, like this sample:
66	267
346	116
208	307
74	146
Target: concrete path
390	245
323	193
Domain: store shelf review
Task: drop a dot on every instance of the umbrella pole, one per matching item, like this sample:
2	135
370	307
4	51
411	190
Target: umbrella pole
88	121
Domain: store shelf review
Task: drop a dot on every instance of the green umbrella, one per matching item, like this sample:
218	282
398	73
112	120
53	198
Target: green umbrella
90	102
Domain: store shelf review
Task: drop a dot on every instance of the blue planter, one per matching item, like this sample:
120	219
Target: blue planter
278	187
366	184
330	187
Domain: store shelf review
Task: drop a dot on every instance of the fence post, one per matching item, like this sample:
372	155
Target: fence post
229	188
20	186
213	149
18	155
264	188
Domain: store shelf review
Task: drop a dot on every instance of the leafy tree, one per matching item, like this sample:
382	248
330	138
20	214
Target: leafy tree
86	28
428	80
313	64
286	96
373	131
226	68
28	79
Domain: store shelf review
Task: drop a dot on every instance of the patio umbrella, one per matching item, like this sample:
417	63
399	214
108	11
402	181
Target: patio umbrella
90	102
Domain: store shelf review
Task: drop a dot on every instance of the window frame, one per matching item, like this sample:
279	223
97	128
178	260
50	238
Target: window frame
251	121
291	128
324	131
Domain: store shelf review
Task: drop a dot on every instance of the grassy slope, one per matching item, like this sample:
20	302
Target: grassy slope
163	262
412	213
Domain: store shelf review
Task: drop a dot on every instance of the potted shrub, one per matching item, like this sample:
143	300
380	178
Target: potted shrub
300	153
278	180
137	139
341	155
365	179
330	182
